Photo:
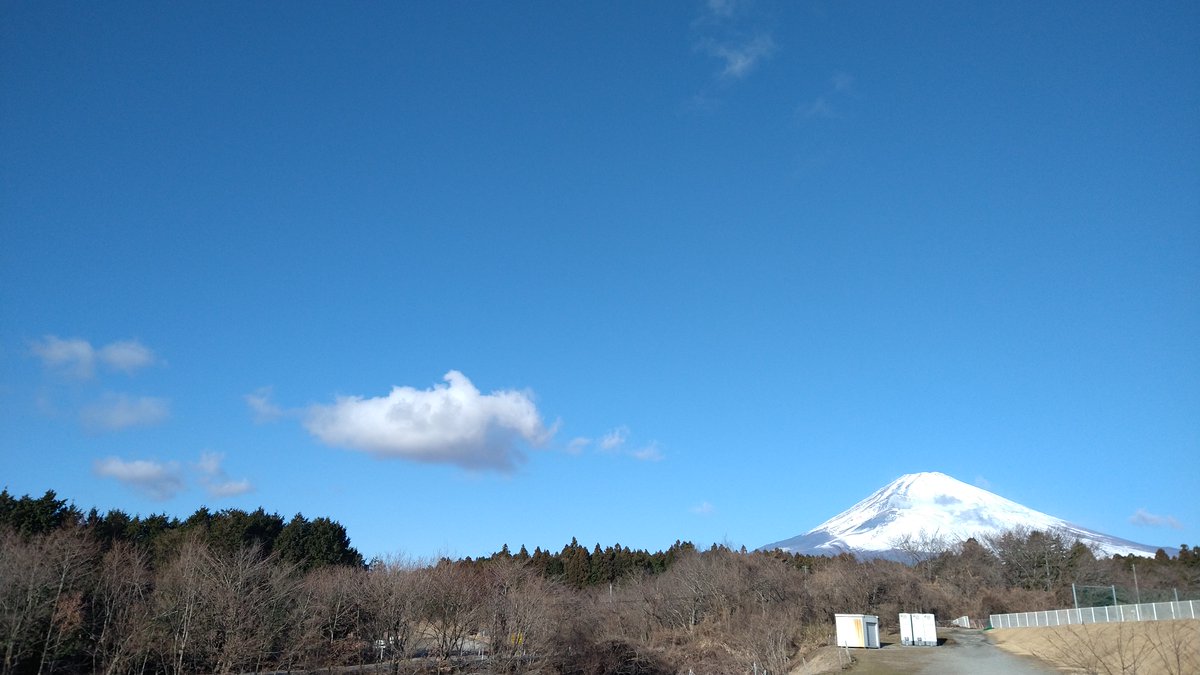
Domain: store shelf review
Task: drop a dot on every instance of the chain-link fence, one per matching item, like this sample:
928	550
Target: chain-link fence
1109	596
1147	611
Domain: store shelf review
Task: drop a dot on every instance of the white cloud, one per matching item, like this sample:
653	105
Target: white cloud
446	424
126	356
265	410
73	356
649	453
741	59
982	482
704	509
214	479
1144	517
77	357
114	412
615	438
578	445
157	480
229	488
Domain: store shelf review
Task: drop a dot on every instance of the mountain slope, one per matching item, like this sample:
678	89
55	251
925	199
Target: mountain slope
922	505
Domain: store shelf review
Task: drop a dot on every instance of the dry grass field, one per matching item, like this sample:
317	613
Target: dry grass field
1149	647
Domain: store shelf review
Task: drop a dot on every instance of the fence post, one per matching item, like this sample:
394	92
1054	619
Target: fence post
1074	596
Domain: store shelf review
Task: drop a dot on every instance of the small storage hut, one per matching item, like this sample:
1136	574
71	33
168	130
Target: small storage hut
918	630
857	630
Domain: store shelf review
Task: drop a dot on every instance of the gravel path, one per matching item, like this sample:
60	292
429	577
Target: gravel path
962	651
970	652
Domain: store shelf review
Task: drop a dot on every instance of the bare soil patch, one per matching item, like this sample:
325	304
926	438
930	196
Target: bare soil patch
1170	647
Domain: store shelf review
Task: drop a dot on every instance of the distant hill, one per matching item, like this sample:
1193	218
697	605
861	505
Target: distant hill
925	505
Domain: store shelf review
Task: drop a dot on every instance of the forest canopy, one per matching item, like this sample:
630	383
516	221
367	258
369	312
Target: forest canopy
233	591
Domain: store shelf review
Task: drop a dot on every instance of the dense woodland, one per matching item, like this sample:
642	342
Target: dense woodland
232	592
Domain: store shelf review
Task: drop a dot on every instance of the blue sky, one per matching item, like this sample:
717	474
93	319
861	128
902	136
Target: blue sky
466	274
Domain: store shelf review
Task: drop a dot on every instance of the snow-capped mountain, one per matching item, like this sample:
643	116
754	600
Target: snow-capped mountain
926	505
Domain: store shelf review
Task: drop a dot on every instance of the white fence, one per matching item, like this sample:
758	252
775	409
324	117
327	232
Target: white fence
1147	611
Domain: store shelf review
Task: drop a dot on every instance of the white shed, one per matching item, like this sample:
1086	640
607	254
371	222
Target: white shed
918	629
906	637
857	630
925	630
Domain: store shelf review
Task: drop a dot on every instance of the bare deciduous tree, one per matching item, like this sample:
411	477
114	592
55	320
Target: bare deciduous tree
178	604
121	610
243	592
23	577
452	600
392	608
334	620
520	615
41	595
922	549
1102	649
1177	644
69	554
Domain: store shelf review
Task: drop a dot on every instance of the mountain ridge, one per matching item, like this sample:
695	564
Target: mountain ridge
930	505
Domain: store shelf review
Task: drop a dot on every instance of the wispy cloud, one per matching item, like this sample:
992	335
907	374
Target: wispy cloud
261	404
1145	518
704	509
72	356
157	480
214	479
648	453
126	356
76	357
615	438
162	480
728	31
446	424
114	412
982	482
740	59
616	443
841	85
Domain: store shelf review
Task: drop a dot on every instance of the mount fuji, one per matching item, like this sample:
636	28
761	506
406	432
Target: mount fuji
926	505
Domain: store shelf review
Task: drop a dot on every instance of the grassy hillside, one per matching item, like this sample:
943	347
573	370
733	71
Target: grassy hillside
1147	647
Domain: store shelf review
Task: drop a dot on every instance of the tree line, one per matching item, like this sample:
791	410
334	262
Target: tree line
306	543
235	592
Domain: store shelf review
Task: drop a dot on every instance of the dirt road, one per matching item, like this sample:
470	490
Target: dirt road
961	651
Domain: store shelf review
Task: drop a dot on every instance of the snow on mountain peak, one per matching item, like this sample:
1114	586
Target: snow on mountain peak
931	504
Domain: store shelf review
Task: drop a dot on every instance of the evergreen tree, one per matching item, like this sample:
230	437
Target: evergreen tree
30	516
